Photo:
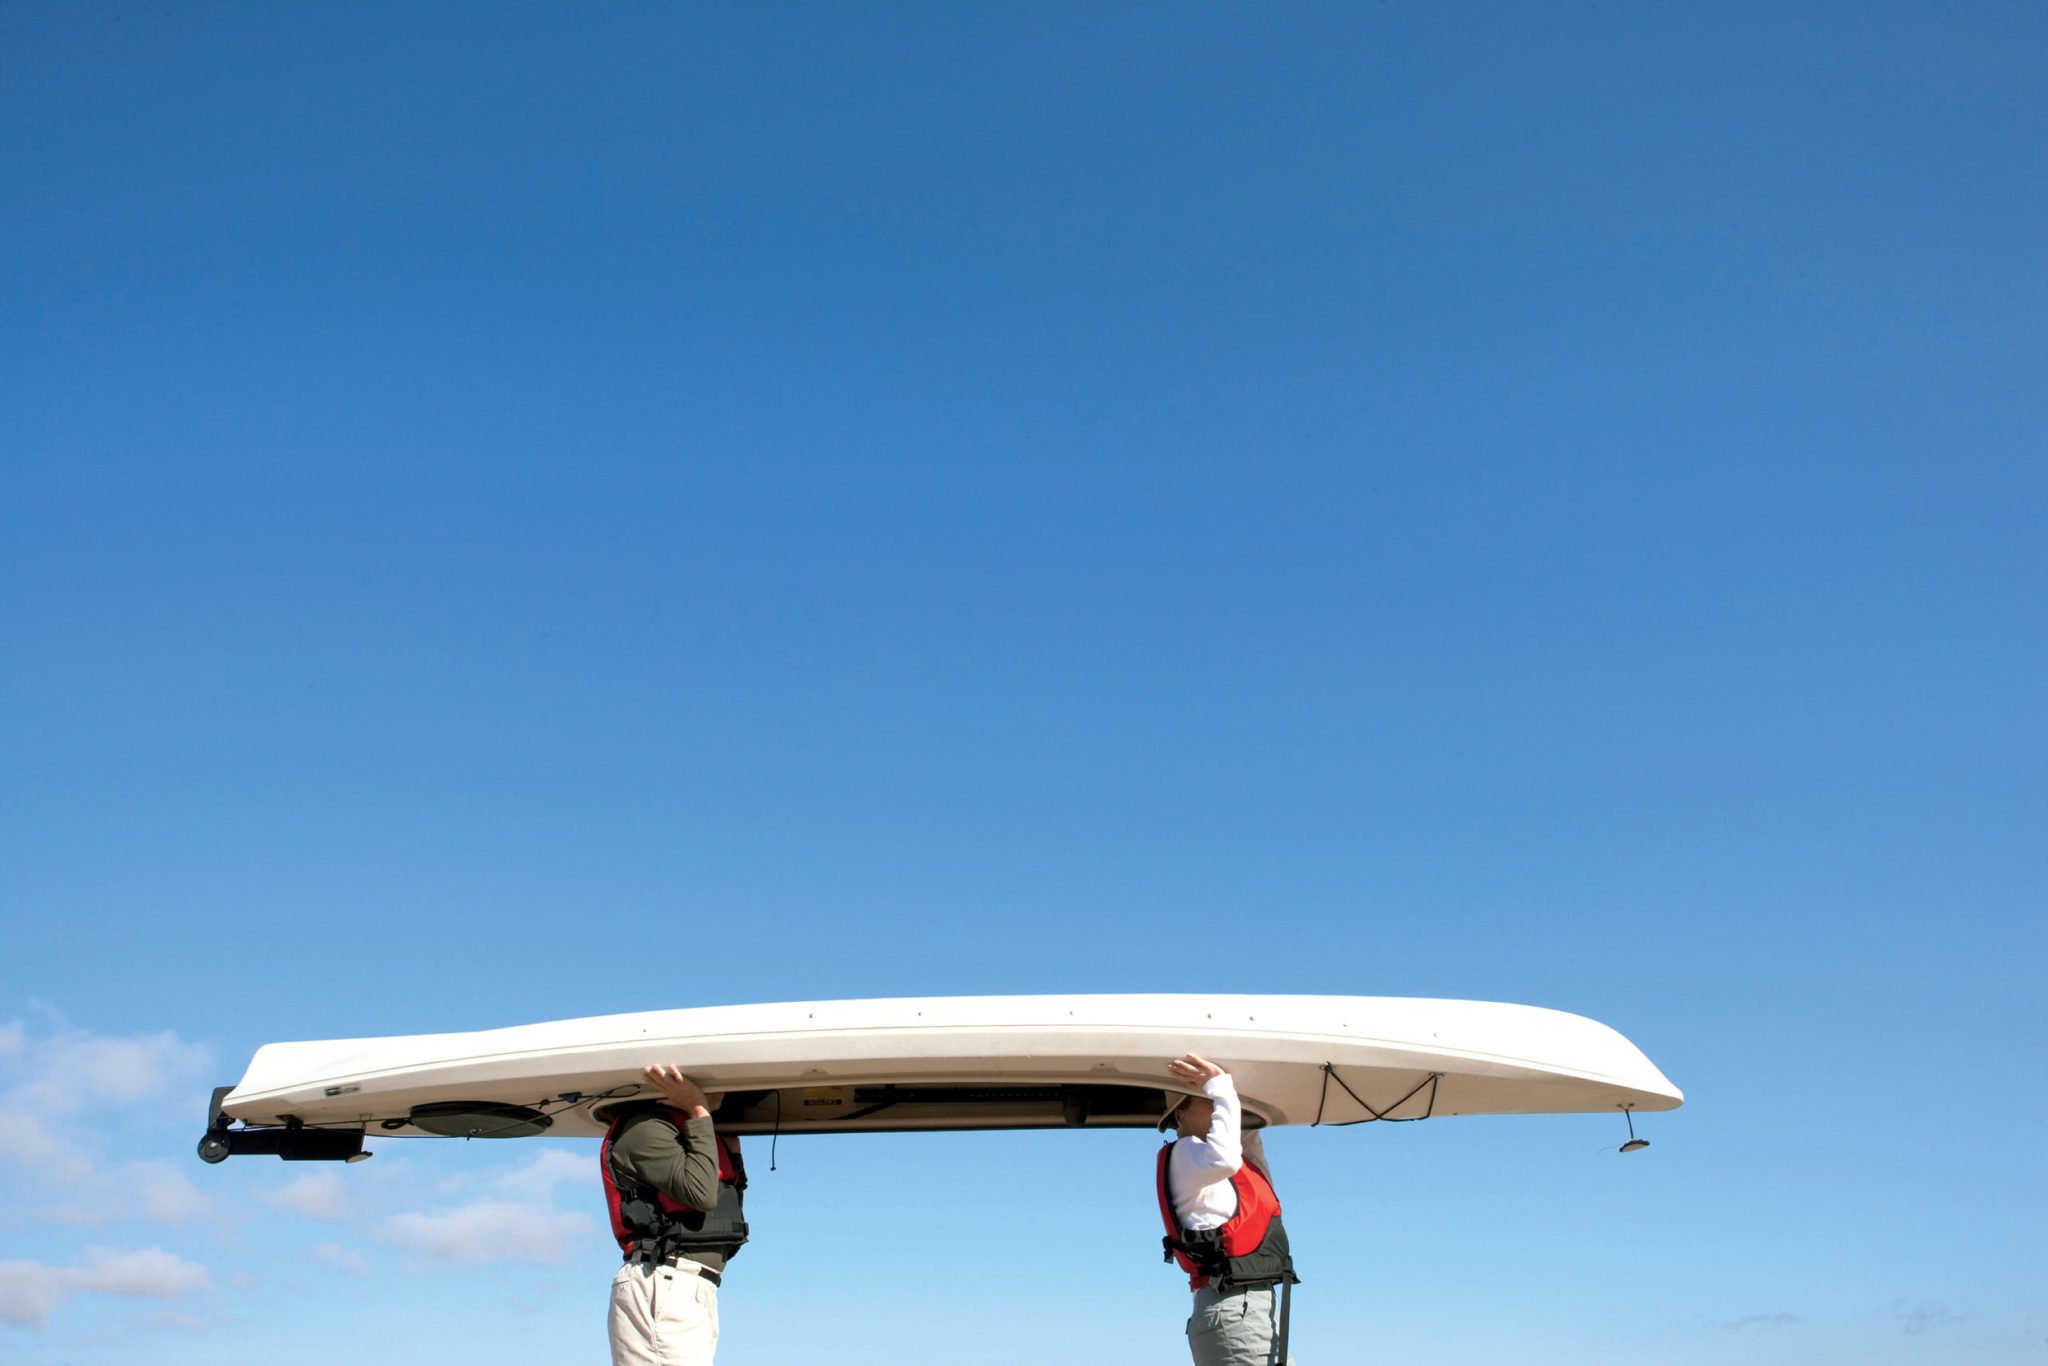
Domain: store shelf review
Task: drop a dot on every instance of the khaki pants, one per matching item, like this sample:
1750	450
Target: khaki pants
1234	1330
662	1316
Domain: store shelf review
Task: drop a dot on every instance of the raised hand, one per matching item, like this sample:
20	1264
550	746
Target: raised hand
682	1093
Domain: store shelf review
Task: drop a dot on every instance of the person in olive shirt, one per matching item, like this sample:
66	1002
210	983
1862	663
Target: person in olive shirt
673	1186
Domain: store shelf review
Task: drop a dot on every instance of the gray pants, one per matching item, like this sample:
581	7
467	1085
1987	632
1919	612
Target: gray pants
1235	1330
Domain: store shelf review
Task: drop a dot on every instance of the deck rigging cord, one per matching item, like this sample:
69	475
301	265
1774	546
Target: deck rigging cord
1387	1115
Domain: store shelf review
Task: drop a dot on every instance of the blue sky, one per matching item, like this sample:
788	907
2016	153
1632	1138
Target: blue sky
515	512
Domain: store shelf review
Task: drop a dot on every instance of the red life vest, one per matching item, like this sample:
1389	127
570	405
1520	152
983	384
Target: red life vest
1250	1248
644	1213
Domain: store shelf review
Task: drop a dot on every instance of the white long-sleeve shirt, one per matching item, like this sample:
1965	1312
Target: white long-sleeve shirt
1199	1168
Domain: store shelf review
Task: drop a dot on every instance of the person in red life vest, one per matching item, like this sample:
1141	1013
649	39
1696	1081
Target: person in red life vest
1223	1223
674	1189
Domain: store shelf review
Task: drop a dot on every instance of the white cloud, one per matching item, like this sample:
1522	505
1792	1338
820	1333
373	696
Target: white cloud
531	1179
50	1076
145	1273
31	1292
71	1068
163	1192
317	1195
156	1190
25	1142
343	1259
550	1168
491	1231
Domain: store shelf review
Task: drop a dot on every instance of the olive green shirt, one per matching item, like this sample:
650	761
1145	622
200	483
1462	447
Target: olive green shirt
681	1164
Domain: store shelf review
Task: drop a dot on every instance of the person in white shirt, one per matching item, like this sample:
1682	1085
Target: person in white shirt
1223	1223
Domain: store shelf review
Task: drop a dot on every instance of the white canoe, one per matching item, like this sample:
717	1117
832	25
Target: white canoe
968	1062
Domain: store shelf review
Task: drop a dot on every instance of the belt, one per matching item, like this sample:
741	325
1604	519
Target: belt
680	1263
1225	1289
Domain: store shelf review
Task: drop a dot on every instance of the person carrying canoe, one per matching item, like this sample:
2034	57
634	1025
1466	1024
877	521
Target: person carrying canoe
674	1188
1223	1223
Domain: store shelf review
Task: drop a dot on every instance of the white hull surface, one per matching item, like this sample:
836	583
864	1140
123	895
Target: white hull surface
951	1063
